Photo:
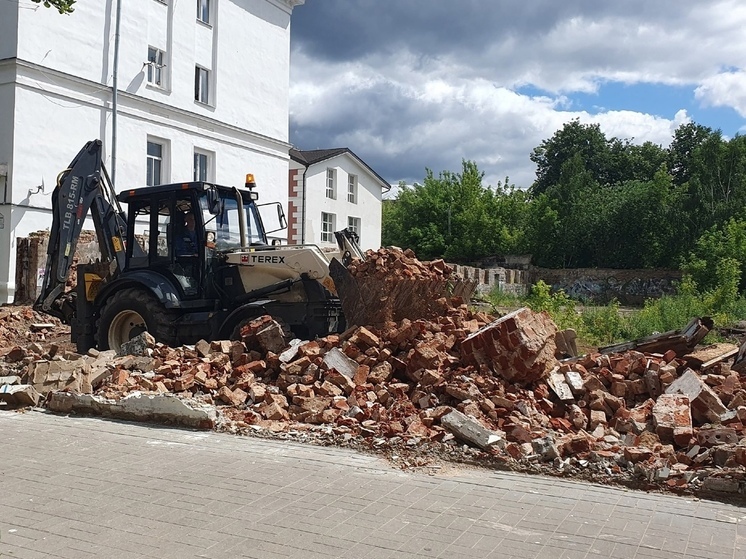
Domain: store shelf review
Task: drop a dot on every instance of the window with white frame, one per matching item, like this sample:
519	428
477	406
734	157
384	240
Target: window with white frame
327	227
203	166
331	183
156	154
203	11
353	224
202	85
352	189
156	64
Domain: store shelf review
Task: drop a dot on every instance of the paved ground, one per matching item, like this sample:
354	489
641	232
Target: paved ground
79	488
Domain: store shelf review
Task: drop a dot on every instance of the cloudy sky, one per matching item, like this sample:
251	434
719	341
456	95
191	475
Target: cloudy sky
415	84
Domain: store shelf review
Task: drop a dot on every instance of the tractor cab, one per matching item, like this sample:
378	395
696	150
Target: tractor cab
182	231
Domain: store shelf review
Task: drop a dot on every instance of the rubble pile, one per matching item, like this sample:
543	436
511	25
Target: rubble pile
21	325
455	383
393	262
464	378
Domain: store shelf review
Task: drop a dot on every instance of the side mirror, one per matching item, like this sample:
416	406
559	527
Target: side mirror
214	202
280	224
281	217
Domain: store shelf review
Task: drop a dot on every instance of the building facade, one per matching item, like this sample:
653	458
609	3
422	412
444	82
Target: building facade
330	190
202	94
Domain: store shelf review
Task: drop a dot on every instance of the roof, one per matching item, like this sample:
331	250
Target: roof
145	191
313	156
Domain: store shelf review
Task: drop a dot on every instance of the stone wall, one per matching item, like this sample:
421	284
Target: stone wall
31	254
31	262
597	285
505	279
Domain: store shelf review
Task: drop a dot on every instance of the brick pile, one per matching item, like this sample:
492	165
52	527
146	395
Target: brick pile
454	378
21	325
648	416
392	262
391	284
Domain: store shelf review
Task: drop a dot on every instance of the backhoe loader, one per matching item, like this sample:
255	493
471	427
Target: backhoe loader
186	261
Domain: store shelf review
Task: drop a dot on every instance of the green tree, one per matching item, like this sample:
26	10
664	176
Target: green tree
454	215
563	236
541	231
512	211
715	252
62	6
687	138
717	185
632	162
633	224
584	140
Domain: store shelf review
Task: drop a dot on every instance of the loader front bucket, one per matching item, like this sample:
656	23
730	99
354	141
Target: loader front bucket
373	293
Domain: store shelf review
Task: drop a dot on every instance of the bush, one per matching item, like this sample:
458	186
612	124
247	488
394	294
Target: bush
603	325
559	306
500	298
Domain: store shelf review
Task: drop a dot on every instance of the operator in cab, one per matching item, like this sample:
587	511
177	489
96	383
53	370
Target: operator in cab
186	241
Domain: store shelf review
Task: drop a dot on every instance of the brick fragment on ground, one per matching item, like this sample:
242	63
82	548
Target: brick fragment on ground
672	419
337	360
706	406
717	436
139	345
19	395
264	333
469	429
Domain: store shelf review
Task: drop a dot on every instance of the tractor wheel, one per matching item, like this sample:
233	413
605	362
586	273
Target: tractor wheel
131	312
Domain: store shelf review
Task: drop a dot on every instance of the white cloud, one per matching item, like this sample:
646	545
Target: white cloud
727	89
439	123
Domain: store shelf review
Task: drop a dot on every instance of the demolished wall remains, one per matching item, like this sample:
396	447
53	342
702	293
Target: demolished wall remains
600	286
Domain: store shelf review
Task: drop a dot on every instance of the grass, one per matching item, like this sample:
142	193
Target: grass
605	325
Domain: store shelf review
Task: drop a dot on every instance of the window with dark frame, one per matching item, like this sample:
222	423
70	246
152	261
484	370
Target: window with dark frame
201	85
201	166
331	183
352	189
203	11
155	164
353	223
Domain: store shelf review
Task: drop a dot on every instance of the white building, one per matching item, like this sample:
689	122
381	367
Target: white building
202	93
333	189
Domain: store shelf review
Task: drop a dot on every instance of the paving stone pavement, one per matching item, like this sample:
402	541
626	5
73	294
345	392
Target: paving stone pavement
90	488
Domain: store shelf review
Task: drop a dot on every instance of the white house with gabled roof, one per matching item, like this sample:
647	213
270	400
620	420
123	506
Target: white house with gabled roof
333	189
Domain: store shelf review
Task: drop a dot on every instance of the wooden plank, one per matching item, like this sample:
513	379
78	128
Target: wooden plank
710	355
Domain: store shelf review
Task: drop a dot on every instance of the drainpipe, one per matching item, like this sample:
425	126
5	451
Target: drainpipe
303	209
115	87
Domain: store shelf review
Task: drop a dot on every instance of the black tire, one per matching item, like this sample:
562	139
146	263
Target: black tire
130	312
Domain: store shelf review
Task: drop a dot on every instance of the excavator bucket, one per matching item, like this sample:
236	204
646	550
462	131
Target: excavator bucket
391	285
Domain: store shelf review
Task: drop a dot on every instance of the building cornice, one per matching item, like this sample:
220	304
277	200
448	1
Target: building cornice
287	5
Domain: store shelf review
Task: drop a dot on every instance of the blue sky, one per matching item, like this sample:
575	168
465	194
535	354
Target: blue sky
657	99
410	85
